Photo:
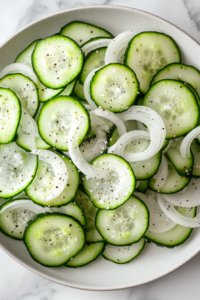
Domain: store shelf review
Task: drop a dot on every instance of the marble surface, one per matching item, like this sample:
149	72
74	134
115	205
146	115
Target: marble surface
16	282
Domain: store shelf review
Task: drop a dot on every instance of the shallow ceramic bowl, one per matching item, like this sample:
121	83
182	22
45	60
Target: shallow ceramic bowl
154	261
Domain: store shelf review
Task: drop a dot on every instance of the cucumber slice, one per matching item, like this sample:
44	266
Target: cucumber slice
25	56
18	169
95	39
177	235
95	59
180	72
92	235
183	166
113	191
73	210
196	154
46	94
125	225
143	186
123	255
114	136
55	121
88	254
10	114
114	87
44	181
82	32
147	53
27	133
25	89
78	90
52	239
166	143
173	184
69	89
57	60
176	105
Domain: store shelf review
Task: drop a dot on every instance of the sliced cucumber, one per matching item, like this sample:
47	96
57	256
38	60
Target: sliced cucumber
113	191
176	104
180	72
52	239
92	235
18	169
25	56
123	255
147	53
56	118
46	93
166	142
10	114
183	166
196	154
114	87
177	235
88	254
99	38
82	32
125	225
143	186
44	182
78	90
57	60
69	89
25	89
173	184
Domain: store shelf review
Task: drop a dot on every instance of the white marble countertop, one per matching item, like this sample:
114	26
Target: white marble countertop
16	282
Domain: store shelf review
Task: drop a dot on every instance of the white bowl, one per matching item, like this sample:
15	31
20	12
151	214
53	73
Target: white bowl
154	261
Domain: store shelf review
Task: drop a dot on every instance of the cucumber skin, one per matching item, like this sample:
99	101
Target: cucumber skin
179	171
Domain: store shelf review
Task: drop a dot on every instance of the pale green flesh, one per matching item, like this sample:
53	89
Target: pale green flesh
182	165
88	254
176	105
95	59
53	239
114	87
126	224
78	90
123	254
24	88
173	183
176	235
196	153
69	89
143	186
92	235
83	32
57	60
113	191
180	72
166	142
10	112
56	118
44	182
18	169
25	56
148	52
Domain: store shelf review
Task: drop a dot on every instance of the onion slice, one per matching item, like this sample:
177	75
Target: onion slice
76	156
187	141
162	173
59	169
175	216
86	88
24	204
95	45
19	68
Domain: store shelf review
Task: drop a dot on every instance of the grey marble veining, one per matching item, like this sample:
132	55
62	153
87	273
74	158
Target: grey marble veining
18	283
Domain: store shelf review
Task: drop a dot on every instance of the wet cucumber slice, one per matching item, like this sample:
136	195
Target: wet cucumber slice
123	254
82	32
57	61
143	186
18	169
10	114
195	148
176	104
175	236
124	225
88	254
147	53
92	235
53	239
25	56
25	89
78	90
114	87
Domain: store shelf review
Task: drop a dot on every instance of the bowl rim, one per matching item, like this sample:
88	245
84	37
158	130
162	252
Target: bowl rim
50	278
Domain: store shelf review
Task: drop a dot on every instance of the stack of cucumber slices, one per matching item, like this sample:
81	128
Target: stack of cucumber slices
99	146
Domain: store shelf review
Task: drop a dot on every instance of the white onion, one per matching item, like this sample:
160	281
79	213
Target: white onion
98	125
112	117
19	68
86	88
95	45
118	46
141	126
162	173
187	141
59	169
24	204
175	216
75	154
94	147
158	221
